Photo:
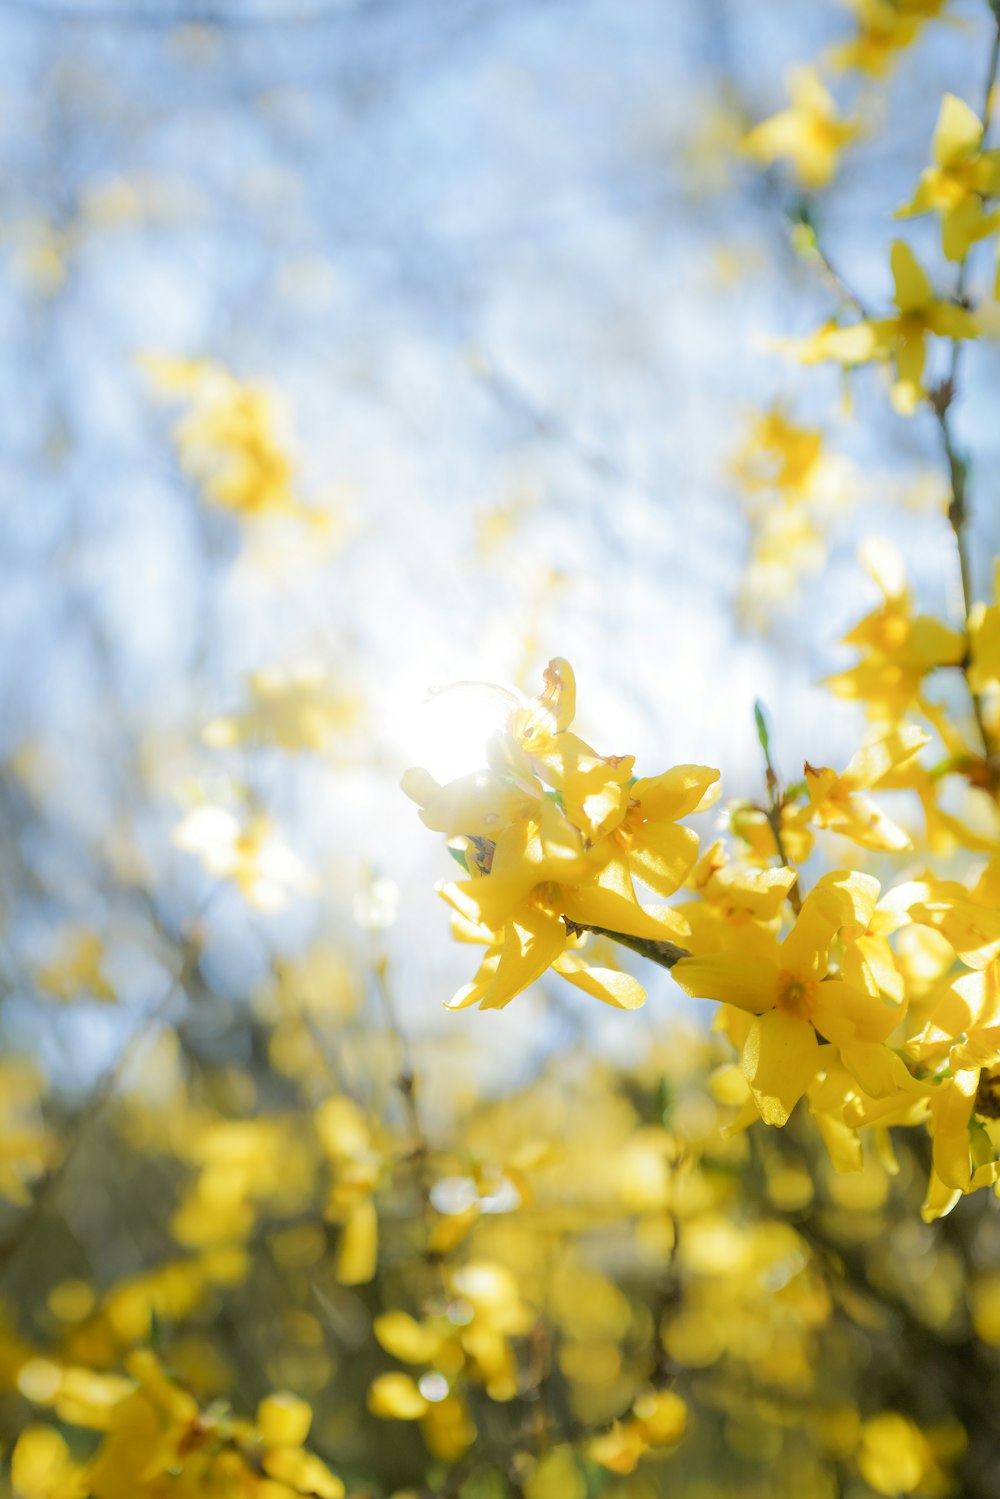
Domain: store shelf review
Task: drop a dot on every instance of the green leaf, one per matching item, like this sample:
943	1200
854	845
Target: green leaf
458	854
801	210
760	720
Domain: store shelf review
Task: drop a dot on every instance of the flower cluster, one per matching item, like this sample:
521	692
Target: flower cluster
553	837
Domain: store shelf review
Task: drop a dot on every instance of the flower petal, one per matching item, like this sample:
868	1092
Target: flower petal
532	942
780	1059
662	854
913	289
594	906
676	793
839	899
735	978
845	1014
606	984
958	132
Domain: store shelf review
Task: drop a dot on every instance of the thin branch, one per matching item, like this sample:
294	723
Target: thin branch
406	1082
836	280
82	1128
776	800
663	953
941	401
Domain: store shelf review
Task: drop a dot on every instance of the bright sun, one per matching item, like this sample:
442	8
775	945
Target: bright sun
450	727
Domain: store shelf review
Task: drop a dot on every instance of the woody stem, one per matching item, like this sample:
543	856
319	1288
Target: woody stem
662	952
941	402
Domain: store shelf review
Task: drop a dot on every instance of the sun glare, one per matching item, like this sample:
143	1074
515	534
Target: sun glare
450	727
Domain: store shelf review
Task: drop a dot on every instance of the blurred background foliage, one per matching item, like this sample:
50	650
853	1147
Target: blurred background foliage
352	350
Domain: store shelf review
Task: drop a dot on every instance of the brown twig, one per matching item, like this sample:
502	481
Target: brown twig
406	1083
664	953
83	1126
941	400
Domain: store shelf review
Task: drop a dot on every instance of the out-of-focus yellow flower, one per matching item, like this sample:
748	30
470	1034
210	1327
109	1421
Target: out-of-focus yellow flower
810	132
752	825
898	649
154	1436
968	918
396	1398
283	1420
790	487
557	1476
706	158
243	1165
406	1339
305	1004
232	440
448	1429
356	1165
884	29
41	255
252	855
837	801
895	1456
298	710
41	1467
76	969
963	175
779	455
658	1419
786	546
902	338
26	1147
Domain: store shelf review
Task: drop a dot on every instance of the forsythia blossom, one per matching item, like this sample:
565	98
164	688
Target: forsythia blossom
555	835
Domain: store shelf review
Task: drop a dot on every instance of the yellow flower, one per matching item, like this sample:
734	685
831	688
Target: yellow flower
658	1420
752	825
963	175
793	996
968	919
786	546
788	482
779	455
77	968
543	863
902	338
283	1420
298	710
810	132
738	908
356	1166
884	29
963	1028
895	1456
864	1085
251	854
963	1034
233	440
395	1397
837	802
41	1467
898	649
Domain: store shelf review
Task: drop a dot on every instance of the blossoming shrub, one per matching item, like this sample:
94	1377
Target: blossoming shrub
283	1250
